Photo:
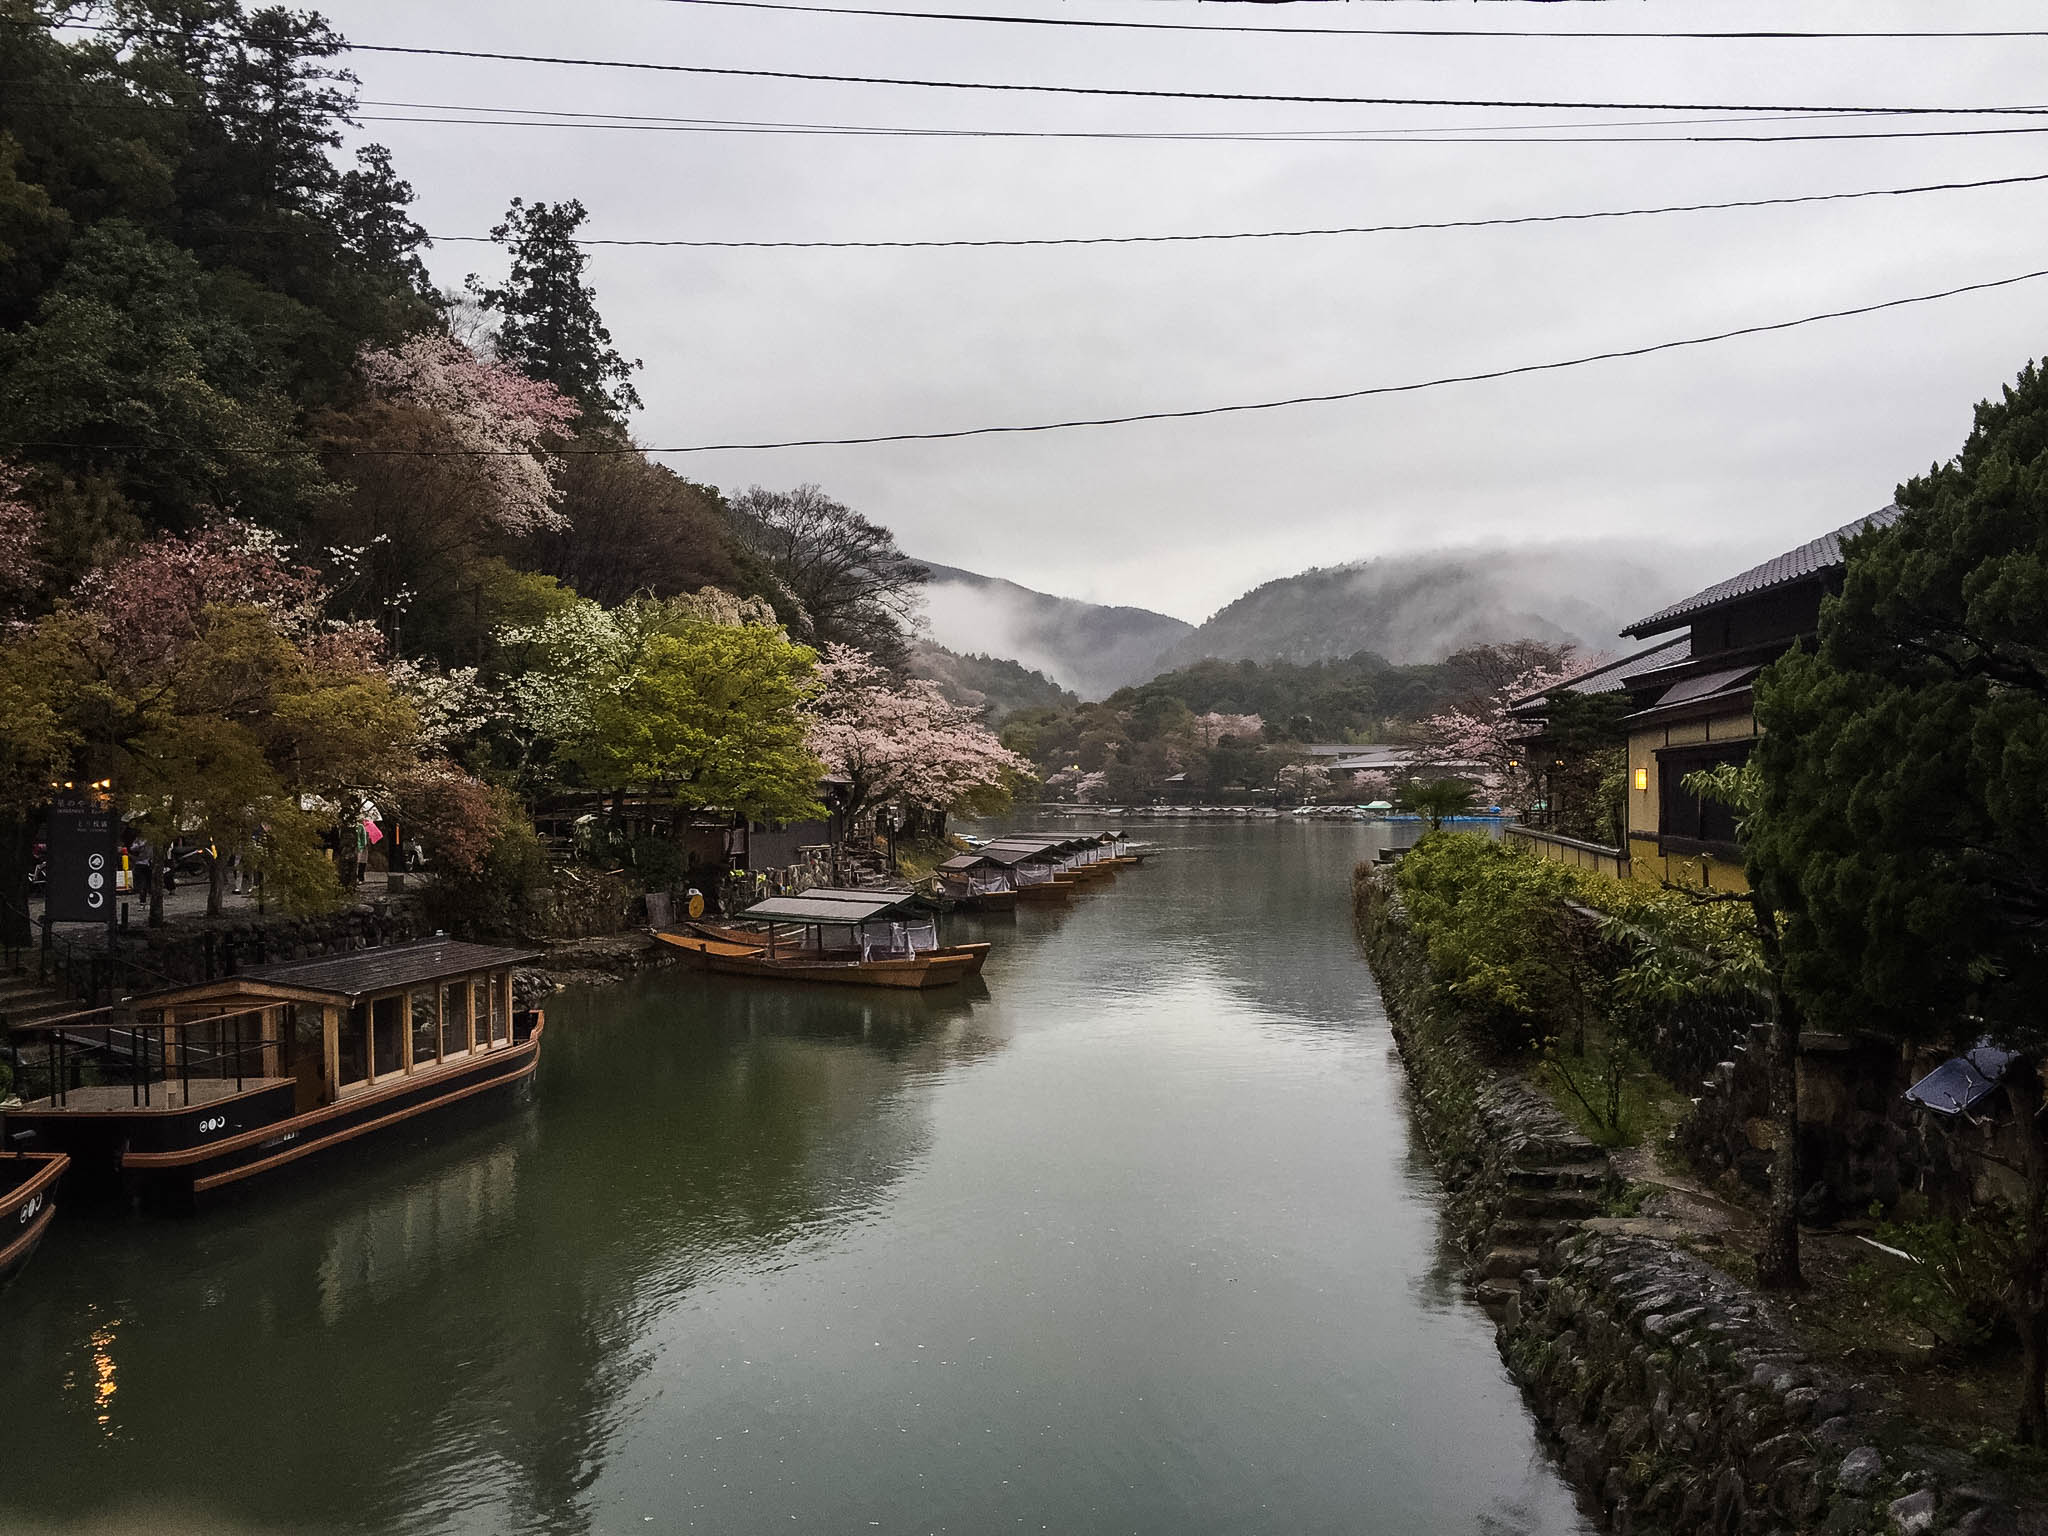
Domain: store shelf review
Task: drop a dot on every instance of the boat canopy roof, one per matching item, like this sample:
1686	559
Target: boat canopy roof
824	904
345	977
960	863
1008	854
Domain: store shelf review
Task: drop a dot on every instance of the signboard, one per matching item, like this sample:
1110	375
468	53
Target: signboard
82	860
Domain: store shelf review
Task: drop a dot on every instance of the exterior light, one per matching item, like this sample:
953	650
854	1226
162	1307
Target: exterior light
1642	778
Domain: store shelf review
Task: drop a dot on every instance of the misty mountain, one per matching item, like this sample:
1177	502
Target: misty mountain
1422	607
992	684
1088	647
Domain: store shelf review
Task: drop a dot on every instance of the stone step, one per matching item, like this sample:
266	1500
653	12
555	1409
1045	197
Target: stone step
1560	1176
1498	1297
1505	1263
1551	1202
37	1005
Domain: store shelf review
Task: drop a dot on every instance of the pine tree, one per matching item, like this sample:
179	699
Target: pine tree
1902	764
549	325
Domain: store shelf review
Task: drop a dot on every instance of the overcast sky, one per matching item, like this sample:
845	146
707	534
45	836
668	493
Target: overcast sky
1726	453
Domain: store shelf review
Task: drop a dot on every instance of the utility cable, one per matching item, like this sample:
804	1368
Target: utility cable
1330	136
1074	423
1604	34
419	51
1288	234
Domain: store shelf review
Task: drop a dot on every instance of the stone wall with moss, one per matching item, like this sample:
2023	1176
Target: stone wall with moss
1673	1397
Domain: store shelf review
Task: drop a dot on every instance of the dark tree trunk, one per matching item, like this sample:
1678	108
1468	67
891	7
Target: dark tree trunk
17	861
2029	1303
216	883
1777	1264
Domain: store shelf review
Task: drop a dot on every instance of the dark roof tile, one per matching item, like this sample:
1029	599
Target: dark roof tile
1808	559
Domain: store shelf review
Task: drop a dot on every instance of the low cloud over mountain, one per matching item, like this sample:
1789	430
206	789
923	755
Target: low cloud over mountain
1088	647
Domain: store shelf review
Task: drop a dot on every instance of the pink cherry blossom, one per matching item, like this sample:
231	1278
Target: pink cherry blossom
900	742
493	411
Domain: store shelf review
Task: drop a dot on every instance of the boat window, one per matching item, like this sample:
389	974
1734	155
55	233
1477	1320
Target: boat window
480	1011
355	1044
501	1025
426	1028
387	1036
454	1019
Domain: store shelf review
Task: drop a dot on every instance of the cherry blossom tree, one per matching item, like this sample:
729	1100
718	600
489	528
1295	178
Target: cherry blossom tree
1479	739
494	411
1244	730
901	743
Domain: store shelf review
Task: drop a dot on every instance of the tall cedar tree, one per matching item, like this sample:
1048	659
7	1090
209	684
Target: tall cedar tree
549	326
1902	821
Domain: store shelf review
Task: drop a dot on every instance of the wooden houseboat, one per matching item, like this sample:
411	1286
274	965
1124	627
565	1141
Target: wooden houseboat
1034	871
974	882
28	1203
850	937
190	1090
1078	858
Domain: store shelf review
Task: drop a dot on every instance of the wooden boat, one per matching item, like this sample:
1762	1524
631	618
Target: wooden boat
28	1204
849	937
730	959
194	1089
973	882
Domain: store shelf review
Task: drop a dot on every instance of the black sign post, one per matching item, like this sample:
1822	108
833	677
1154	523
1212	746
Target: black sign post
82	861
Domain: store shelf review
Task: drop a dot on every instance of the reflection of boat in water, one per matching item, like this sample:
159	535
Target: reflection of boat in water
28	1191
847	937
204	1086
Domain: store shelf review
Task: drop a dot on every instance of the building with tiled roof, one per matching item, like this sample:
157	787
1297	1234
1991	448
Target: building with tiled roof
1693	704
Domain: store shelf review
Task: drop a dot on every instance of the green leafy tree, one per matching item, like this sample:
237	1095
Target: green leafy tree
1902	764
713	710
549	325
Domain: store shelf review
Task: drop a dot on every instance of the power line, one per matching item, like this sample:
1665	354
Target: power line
1370	391
416	50
1290	234
1329	136
1606	34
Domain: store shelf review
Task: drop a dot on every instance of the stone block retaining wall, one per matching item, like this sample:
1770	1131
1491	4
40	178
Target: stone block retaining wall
1674	1399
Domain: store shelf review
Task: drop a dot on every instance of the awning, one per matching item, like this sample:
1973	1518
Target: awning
825	905
1961	1081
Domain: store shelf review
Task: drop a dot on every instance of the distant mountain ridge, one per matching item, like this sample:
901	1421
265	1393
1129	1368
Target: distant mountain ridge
1092	648
996	686
1414	608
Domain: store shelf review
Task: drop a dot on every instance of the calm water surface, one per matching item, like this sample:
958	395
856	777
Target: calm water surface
1135	1237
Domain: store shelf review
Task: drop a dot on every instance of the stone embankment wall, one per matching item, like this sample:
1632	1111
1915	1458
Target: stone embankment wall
1675	1401
190	952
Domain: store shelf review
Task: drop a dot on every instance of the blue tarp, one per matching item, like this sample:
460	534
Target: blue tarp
1961	1081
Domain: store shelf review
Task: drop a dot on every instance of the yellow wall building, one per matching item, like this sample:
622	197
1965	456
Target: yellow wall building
1692	706
1698	710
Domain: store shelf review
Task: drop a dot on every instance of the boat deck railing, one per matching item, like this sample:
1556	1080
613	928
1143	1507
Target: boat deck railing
107	1059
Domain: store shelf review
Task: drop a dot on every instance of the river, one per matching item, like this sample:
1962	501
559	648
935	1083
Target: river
1133	1236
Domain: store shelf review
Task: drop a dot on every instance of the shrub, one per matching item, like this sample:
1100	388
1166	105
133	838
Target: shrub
1536	951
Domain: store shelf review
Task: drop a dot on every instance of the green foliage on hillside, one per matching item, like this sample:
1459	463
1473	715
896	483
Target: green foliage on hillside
996	686
1348	700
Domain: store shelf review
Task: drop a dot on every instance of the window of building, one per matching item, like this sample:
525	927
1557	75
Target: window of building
426	1027
454	1019
387	1036
1685	822
501	1019
355	1044
480	1011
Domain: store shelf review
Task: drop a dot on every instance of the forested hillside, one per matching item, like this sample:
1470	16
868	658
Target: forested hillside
291	542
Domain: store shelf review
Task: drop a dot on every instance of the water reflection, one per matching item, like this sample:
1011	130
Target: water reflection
1132	1237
